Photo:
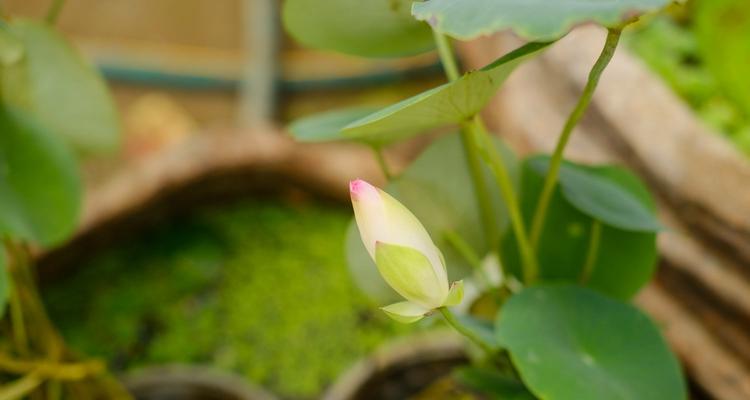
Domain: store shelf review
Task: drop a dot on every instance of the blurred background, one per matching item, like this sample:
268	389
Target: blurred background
239	263
254	283
178	68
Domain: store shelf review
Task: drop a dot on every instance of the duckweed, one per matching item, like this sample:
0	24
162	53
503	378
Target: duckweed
259	288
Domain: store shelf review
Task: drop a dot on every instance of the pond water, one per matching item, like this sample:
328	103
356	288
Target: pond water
257	287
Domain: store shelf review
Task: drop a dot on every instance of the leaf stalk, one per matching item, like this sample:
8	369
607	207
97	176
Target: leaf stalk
550	181
451	319
481	192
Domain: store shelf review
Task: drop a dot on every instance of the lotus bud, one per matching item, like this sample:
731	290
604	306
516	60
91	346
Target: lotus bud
406	257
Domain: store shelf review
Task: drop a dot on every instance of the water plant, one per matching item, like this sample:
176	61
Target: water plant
701	51
227	286
54	109
572	243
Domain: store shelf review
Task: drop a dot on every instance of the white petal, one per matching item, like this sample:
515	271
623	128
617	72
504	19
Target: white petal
381	218
405	312
369	212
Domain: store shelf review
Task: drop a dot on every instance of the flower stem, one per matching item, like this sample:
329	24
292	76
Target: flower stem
446	56
468	254
382	163
490	154
451	319
463	248
477	143
43	352
21	387
54	390
54	11
53	370
593	253
18	322
482	194
610	45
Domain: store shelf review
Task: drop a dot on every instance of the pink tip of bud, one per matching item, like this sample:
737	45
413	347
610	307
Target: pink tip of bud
360	189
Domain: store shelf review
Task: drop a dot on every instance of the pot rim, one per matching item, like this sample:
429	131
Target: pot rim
438	345
195	375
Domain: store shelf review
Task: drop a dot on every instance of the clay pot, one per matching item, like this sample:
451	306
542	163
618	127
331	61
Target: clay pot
400	369
183	382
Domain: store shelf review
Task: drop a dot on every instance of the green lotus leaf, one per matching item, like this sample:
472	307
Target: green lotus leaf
572	343
537	20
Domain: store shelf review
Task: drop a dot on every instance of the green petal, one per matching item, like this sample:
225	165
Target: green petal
405	312
410	274
455	295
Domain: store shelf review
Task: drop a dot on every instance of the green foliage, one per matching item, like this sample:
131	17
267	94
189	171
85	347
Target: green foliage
599	193
40	190
11	49
570	343
479	327
50	99
671	48
235	287
327	126
451	103
623	260
55	85
373	28
567	342
437	187
50	103
722	29
532	20
4	283
491	383
448	104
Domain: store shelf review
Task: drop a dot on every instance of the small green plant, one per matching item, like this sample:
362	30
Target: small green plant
723	36
53	108
210	290
701	51
572	243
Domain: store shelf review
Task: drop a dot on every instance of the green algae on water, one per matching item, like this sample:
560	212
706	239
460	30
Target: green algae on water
257	287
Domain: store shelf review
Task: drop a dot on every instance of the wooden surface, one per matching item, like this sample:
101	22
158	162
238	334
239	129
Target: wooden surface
702	293
197	23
